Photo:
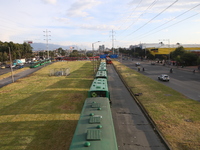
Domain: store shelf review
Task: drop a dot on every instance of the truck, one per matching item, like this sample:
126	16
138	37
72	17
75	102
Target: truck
19	63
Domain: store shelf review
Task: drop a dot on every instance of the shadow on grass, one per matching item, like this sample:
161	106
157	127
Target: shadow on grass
48	102
37	135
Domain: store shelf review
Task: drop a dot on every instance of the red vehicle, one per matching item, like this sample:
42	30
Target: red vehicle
108	61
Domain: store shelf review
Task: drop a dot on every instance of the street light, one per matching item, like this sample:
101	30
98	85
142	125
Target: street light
93	53
168	47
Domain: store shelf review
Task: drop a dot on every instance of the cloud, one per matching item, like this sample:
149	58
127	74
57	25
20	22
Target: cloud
62	19
97	27
50	1
81	8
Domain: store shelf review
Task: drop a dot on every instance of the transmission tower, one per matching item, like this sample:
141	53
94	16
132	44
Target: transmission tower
47	41
112	35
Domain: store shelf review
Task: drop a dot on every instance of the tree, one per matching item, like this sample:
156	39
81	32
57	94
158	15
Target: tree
189	58
89	54
1	57
150	56
5	56
51	54
63	52
137	52
74	53
198	60
178	52
18	51
14	55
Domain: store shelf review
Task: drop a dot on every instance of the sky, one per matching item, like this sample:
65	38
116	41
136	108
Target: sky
114	23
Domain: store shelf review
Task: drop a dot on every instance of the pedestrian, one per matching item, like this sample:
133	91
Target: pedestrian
171	70
194	71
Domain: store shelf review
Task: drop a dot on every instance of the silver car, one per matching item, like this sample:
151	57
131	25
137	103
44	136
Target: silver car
163	77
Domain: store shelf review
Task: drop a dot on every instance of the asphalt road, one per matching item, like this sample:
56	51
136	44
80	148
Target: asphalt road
6	70
183	81
22	74
133	131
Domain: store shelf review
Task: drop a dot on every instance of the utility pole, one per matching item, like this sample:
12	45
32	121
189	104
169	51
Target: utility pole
93	55
47	41
11	65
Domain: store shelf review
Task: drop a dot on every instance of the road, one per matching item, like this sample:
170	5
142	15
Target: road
185	82
133	131
17	76
6	70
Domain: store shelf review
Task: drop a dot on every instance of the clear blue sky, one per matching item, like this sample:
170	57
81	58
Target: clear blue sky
83	22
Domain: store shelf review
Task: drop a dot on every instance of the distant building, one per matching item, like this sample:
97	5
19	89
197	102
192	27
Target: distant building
159	49
101	48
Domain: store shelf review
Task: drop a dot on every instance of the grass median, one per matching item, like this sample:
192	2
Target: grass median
176	116
41	111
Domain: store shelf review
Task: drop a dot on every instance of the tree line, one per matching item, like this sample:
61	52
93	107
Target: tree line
18	51
180	55
184	57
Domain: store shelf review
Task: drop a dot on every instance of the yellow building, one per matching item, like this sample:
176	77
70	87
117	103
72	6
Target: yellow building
160	51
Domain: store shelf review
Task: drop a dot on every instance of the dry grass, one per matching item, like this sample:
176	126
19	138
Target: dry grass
41	111
177	117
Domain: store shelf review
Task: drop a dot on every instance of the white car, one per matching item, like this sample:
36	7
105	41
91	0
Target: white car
137	64
163	77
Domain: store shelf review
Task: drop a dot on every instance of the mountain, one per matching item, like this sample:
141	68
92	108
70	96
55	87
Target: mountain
42	46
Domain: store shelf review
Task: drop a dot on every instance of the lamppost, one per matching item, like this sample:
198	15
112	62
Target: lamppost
93	54
168	47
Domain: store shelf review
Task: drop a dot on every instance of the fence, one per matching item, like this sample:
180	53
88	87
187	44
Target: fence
59	72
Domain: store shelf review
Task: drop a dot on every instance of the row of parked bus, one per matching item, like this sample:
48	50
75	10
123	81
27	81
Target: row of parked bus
95	129
39	63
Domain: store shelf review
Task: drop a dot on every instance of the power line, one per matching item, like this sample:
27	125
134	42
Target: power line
173	24
150	6
169	21
123	15
131	13
153	18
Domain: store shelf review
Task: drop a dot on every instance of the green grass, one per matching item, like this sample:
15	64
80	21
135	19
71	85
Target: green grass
41	111
176	116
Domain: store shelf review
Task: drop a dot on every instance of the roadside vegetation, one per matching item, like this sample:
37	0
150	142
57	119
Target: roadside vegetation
185	58
176	116
41	111
17	50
